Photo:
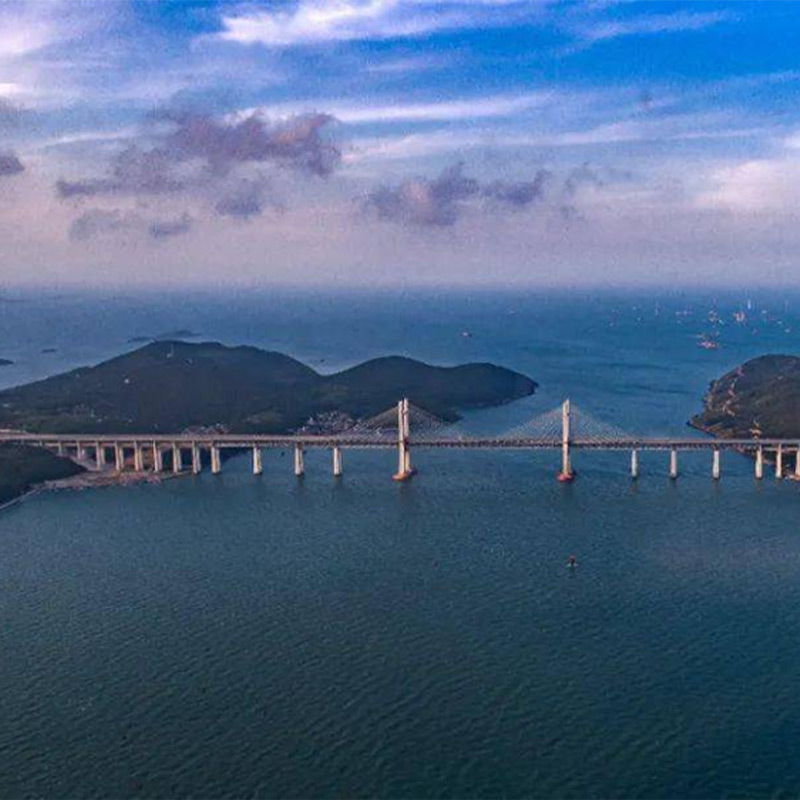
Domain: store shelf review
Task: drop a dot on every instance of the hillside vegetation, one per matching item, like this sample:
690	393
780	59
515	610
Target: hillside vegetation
174	386
759	398
22	467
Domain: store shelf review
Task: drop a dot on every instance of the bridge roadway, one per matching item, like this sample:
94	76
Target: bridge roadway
246	441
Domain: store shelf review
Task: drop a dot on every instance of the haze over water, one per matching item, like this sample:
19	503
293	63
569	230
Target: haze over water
239	636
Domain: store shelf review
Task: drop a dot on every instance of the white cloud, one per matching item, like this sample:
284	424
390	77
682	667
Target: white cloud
654	24
320	21
755	186
461	109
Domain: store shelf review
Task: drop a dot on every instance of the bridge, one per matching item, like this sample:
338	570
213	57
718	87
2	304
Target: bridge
405	427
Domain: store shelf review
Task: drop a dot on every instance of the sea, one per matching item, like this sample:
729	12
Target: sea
238	636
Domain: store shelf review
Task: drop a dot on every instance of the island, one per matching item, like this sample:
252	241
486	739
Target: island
4	362
175	386
22	468
760	398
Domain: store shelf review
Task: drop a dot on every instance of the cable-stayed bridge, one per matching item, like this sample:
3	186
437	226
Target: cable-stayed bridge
407	428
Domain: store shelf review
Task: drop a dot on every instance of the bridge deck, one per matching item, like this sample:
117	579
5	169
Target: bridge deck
365	442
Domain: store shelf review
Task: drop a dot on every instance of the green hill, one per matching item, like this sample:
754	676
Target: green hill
759	398
173	386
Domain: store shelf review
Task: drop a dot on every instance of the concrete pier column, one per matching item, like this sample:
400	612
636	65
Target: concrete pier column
99	455
299	466
634	464
177	457
119	457
60	448
759	463
566	466
258	467
337	461
715	466
138	457
196	463
797	462
673	463
779	462
80	453
158	458
216	466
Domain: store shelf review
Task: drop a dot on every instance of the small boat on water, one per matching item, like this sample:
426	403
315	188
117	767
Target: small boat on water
708	343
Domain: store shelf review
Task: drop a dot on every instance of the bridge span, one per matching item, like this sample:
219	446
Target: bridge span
394	430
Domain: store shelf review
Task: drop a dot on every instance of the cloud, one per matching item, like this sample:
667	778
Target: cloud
769	185
653	24
10	164
214	147
311	22
102	222
518	194
245	200
97	222
297	142
133	171
166	229
439	202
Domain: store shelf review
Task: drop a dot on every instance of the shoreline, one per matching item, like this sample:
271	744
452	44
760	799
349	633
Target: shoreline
92	480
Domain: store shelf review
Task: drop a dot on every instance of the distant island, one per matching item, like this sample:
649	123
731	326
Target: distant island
4	362
760	398
174	386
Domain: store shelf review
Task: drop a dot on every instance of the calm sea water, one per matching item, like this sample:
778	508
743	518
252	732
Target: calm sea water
238	636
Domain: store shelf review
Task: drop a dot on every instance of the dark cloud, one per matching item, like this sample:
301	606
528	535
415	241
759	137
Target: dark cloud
420	201
167	228
10	164
584	175
188	151
518	194
133	172
297	142
245	200
97	221
440	201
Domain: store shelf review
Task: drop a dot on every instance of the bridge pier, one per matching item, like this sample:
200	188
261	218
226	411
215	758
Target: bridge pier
715	465
797	462
216	466
158	458
60	448
196	463
779	462
177	458
759	468
138	457
257	466
634	464
99	455
673	464
337	461
80	451
299	465
119	457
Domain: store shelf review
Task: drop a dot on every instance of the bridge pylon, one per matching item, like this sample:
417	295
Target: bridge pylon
566	475
404	469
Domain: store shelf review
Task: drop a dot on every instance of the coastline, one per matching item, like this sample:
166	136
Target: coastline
92	480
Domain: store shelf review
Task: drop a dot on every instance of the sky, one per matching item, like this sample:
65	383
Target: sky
364	143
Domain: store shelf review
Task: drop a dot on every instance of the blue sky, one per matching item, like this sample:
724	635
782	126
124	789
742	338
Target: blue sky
372	142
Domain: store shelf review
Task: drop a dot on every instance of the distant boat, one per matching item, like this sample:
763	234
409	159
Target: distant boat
708	344
466	334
